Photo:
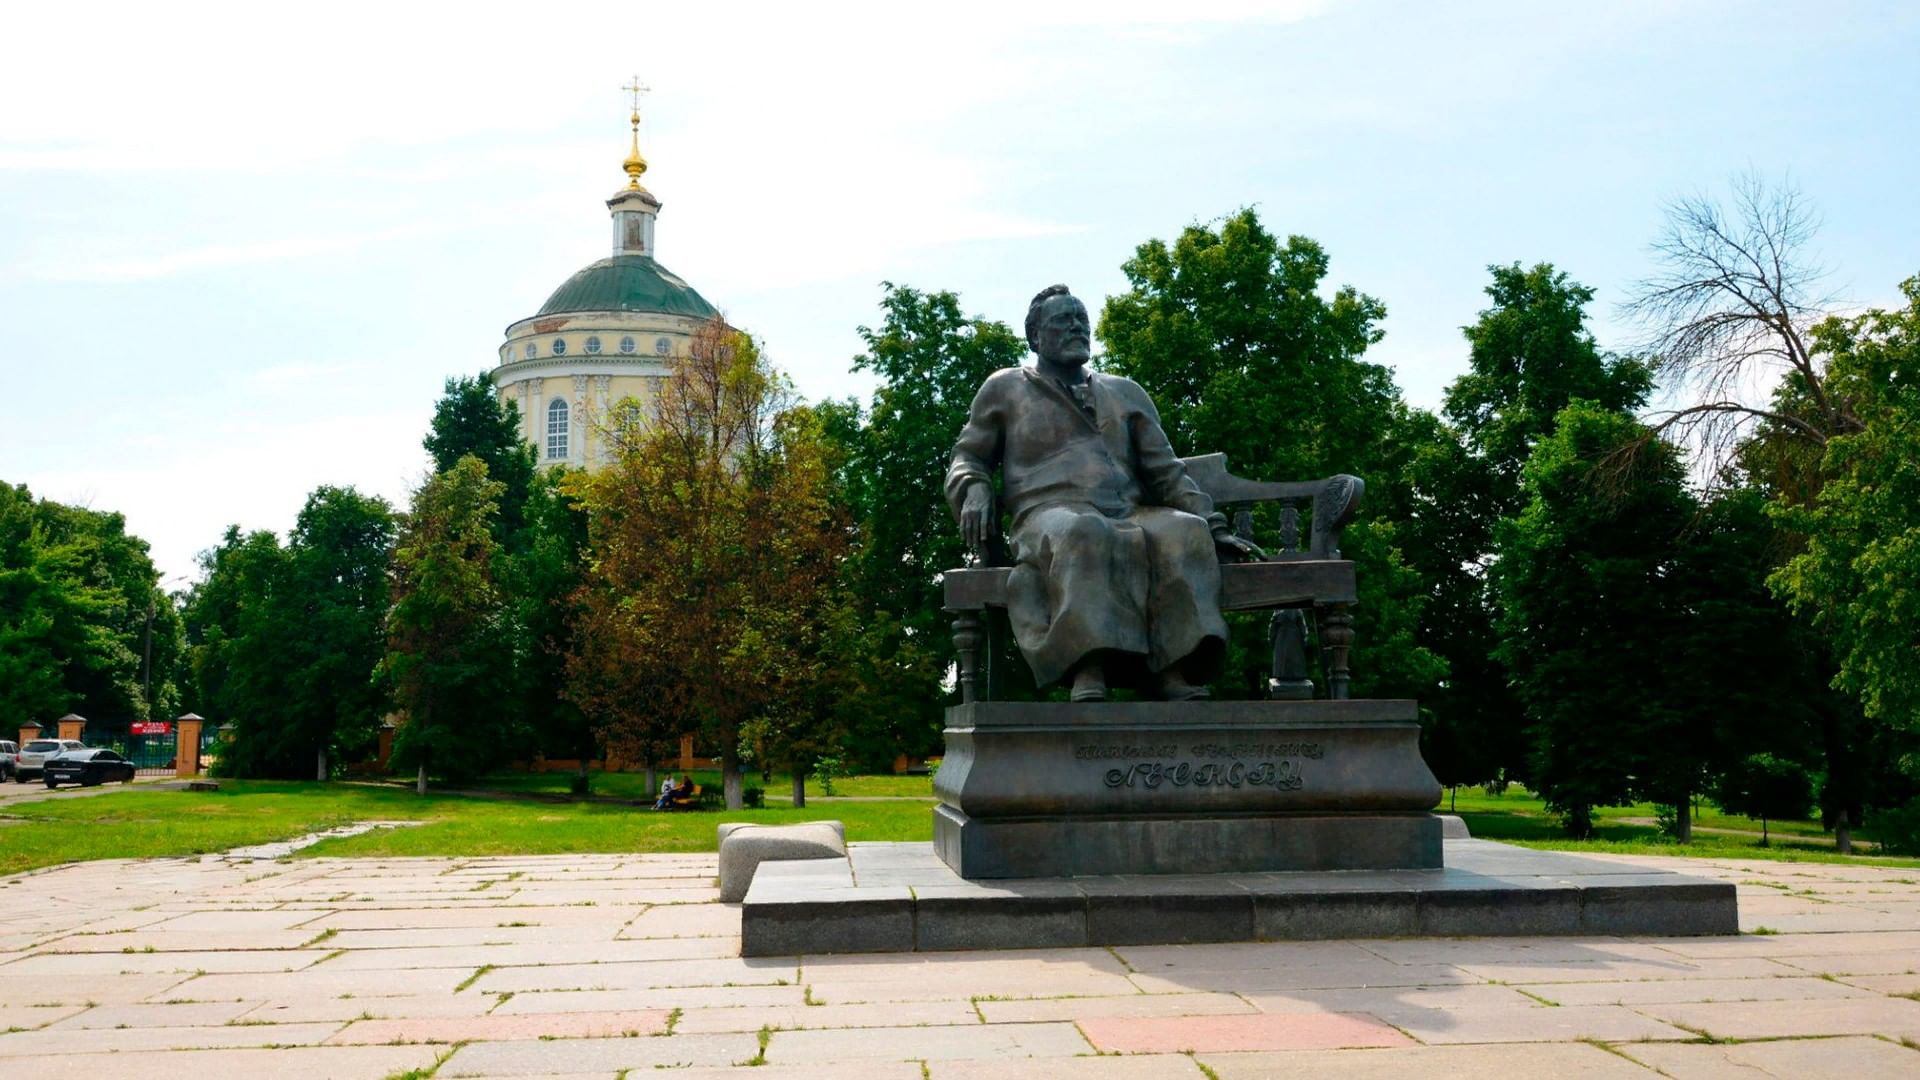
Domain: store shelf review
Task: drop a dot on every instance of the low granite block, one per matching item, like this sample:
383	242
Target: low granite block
1295	915
1006	915
743	847
793	922
1657	904
1520	907
1166	910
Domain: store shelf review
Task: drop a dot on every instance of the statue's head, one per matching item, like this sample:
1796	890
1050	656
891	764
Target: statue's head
1058	328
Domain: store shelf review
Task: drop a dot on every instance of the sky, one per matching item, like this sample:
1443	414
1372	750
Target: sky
242	246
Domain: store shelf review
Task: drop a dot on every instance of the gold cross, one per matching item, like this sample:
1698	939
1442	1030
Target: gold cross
636	89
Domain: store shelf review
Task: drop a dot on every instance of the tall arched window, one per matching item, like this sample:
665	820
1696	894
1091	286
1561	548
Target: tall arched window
557	428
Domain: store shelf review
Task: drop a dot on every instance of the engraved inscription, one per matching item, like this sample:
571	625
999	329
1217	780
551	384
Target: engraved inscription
1283	774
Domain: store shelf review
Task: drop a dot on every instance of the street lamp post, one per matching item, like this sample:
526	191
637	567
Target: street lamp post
146	648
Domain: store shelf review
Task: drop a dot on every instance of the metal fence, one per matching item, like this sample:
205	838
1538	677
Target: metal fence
152	755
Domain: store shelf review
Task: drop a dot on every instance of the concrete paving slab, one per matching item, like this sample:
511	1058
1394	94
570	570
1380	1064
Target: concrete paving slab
1076	1008
1564	1061
638	976
927	1043
544	1057
1658	991
29	1017
1533	1023
1802	1059
37	1044
1199	1034
284	1063
1131	1067
17	990
801	1017
199	1014
1895	1017
668	997
525	1026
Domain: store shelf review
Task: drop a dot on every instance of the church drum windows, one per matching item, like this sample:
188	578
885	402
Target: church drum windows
627	345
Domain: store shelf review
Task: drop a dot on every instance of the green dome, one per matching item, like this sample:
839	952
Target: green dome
628	283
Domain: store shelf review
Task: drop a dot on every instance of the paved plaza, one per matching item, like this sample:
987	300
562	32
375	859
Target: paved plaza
603	966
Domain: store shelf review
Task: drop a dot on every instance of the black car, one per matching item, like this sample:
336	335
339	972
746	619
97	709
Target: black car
87	768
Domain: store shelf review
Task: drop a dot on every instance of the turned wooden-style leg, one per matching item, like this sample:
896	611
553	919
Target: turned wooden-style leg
966	643
1336	638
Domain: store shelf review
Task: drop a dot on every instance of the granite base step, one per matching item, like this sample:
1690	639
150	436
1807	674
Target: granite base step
900	897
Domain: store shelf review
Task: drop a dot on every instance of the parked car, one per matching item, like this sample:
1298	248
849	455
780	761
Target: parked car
9	758
87	767
34	755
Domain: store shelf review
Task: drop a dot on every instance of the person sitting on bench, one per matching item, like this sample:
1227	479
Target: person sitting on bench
681	797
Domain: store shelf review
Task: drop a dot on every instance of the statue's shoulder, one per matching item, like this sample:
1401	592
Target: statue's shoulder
1120	385
1005	381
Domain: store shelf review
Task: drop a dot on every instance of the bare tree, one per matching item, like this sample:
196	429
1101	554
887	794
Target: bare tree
1727	316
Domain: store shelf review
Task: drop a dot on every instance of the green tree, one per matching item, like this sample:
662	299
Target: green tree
302	667
449	655
711	540
1856	578
1766	787
542	578
76	590
237	577
472	418
889	466
1586	588
1530	355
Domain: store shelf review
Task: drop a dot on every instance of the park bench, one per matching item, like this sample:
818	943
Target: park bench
686	802
1294	581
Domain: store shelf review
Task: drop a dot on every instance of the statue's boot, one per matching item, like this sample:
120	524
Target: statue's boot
1175	687
1090	682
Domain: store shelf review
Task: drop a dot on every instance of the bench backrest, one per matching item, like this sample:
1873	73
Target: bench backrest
1331	503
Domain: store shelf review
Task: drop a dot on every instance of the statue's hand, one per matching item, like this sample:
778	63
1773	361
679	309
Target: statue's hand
1234	548
978	522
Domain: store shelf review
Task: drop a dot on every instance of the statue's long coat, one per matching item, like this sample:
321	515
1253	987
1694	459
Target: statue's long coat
1112	541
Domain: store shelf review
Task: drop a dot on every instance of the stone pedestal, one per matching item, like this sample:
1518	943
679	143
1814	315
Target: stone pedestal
1044	789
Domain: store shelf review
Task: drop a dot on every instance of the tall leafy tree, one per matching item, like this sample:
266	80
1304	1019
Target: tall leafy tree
931	358
542	577
472	418
1856	577
1530	355
541	535
237	579
302	669
449	649
711	541
80	611
1589	587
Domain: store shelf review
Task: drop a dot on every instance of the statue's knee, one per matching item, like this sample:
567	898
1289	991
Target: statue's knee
1089	529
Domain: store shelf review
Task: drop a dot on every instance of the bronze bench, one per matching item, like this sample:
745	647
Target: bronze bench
1293	581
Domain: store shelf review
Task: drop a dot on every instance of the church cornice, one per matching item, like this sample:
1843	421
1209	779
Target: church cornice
550	366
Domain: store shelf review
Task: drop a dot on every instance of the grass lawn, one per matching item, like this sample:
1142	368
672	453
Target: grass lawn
1519	817
137	823
634	785
142	822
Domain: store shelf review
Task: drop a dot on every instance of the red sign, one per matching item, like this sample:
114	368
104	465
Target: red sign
155	727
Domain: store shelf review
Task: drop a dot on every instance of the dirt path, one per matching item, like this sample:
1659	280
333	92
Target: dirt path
1825	838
